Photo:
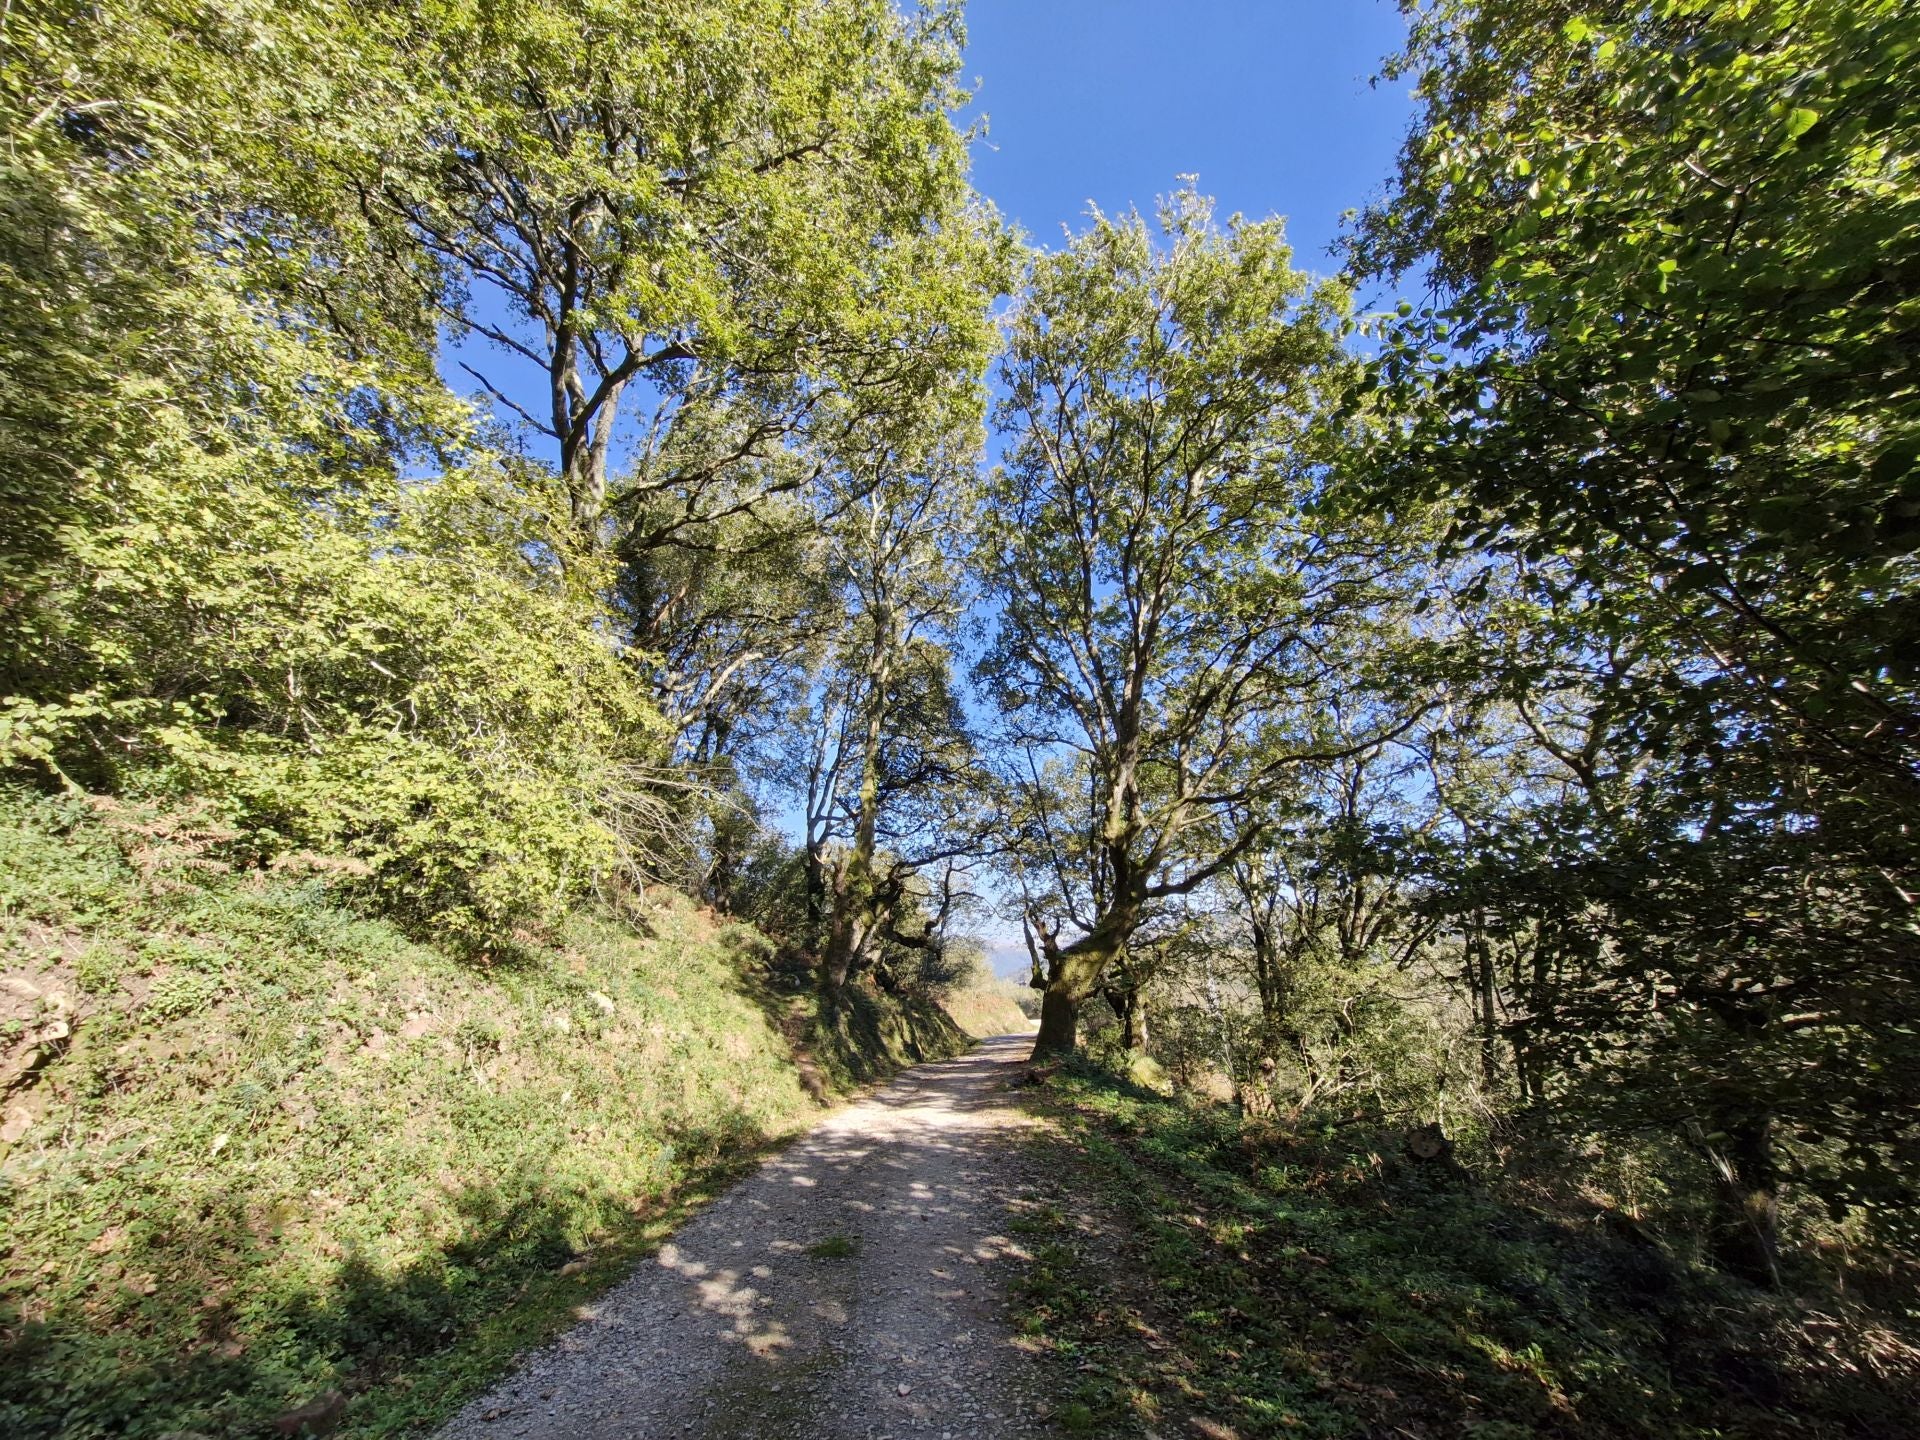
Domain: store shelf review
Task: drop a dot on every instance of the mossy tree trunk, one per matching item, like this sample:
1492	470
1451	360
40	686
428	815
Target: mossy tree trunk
854	901
1074	973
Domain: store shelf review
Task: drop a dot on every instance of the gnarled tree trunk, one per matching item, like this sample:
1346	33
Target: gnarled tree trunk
1073	976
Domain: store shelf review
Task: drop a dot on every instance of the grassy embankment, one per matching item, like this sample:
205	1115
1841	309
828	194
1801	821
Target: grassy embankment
261	1151
992	1006
1198	1276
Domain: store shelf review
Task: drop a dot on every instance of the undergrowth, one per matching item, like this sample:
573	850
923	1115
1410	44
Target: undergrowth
262	1151
1245	1282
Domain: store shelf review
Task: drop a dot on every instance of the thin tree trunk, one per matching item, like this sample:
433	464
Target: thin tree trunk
1129	1004
854	919
1485	1010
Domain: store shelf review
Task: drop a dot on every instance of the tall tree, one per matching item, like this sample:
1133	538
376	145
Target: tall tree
890	776
1673	247
1173	613
1669	370
744	225
251	549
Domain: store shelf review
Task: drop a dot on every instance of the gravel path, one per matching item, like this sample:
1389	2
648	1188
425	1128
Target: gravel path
847	1291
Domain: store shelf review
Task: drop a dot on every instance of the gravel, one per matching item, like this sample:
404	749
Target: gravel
851	1289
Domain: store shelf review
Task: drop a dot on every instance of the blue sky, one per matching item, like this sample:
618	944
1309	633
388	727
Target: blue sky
1109	101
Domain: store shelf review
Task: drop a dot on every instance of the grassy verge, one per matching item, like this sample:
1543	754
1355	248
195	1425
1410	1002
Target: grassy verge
992	1008
260	1152
1195	1276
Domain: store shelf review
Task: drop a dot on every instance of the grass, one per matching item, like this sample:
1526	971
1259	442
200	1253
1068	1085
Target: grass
283	1152
834	1247
992	1008
1191	1274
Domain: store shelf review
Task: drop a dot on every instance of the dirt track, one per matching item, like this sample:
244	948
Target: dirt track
849	1290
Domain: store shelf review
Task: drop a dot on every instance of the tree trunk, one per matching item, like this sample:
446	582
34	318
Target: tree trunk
1059	1024
816	897
855	913
1532	1060
1485	1004
1073	974
841	951
1745	1237
1134	1022
1130	1009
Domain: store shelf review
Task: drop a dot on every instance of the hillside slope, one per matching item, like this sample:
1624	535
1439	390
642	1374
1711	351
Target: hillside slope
1197	1272
264	1153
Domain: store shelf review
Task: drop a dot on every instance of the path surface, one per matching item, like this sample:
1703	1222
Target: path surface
747	1323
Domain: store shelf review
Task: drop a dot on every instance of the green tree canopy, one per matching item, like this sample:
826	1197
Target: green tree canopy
1174	615
1668	374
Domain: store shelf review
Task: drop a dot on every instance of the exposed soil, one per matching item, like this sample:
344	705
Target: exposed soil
849	1290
